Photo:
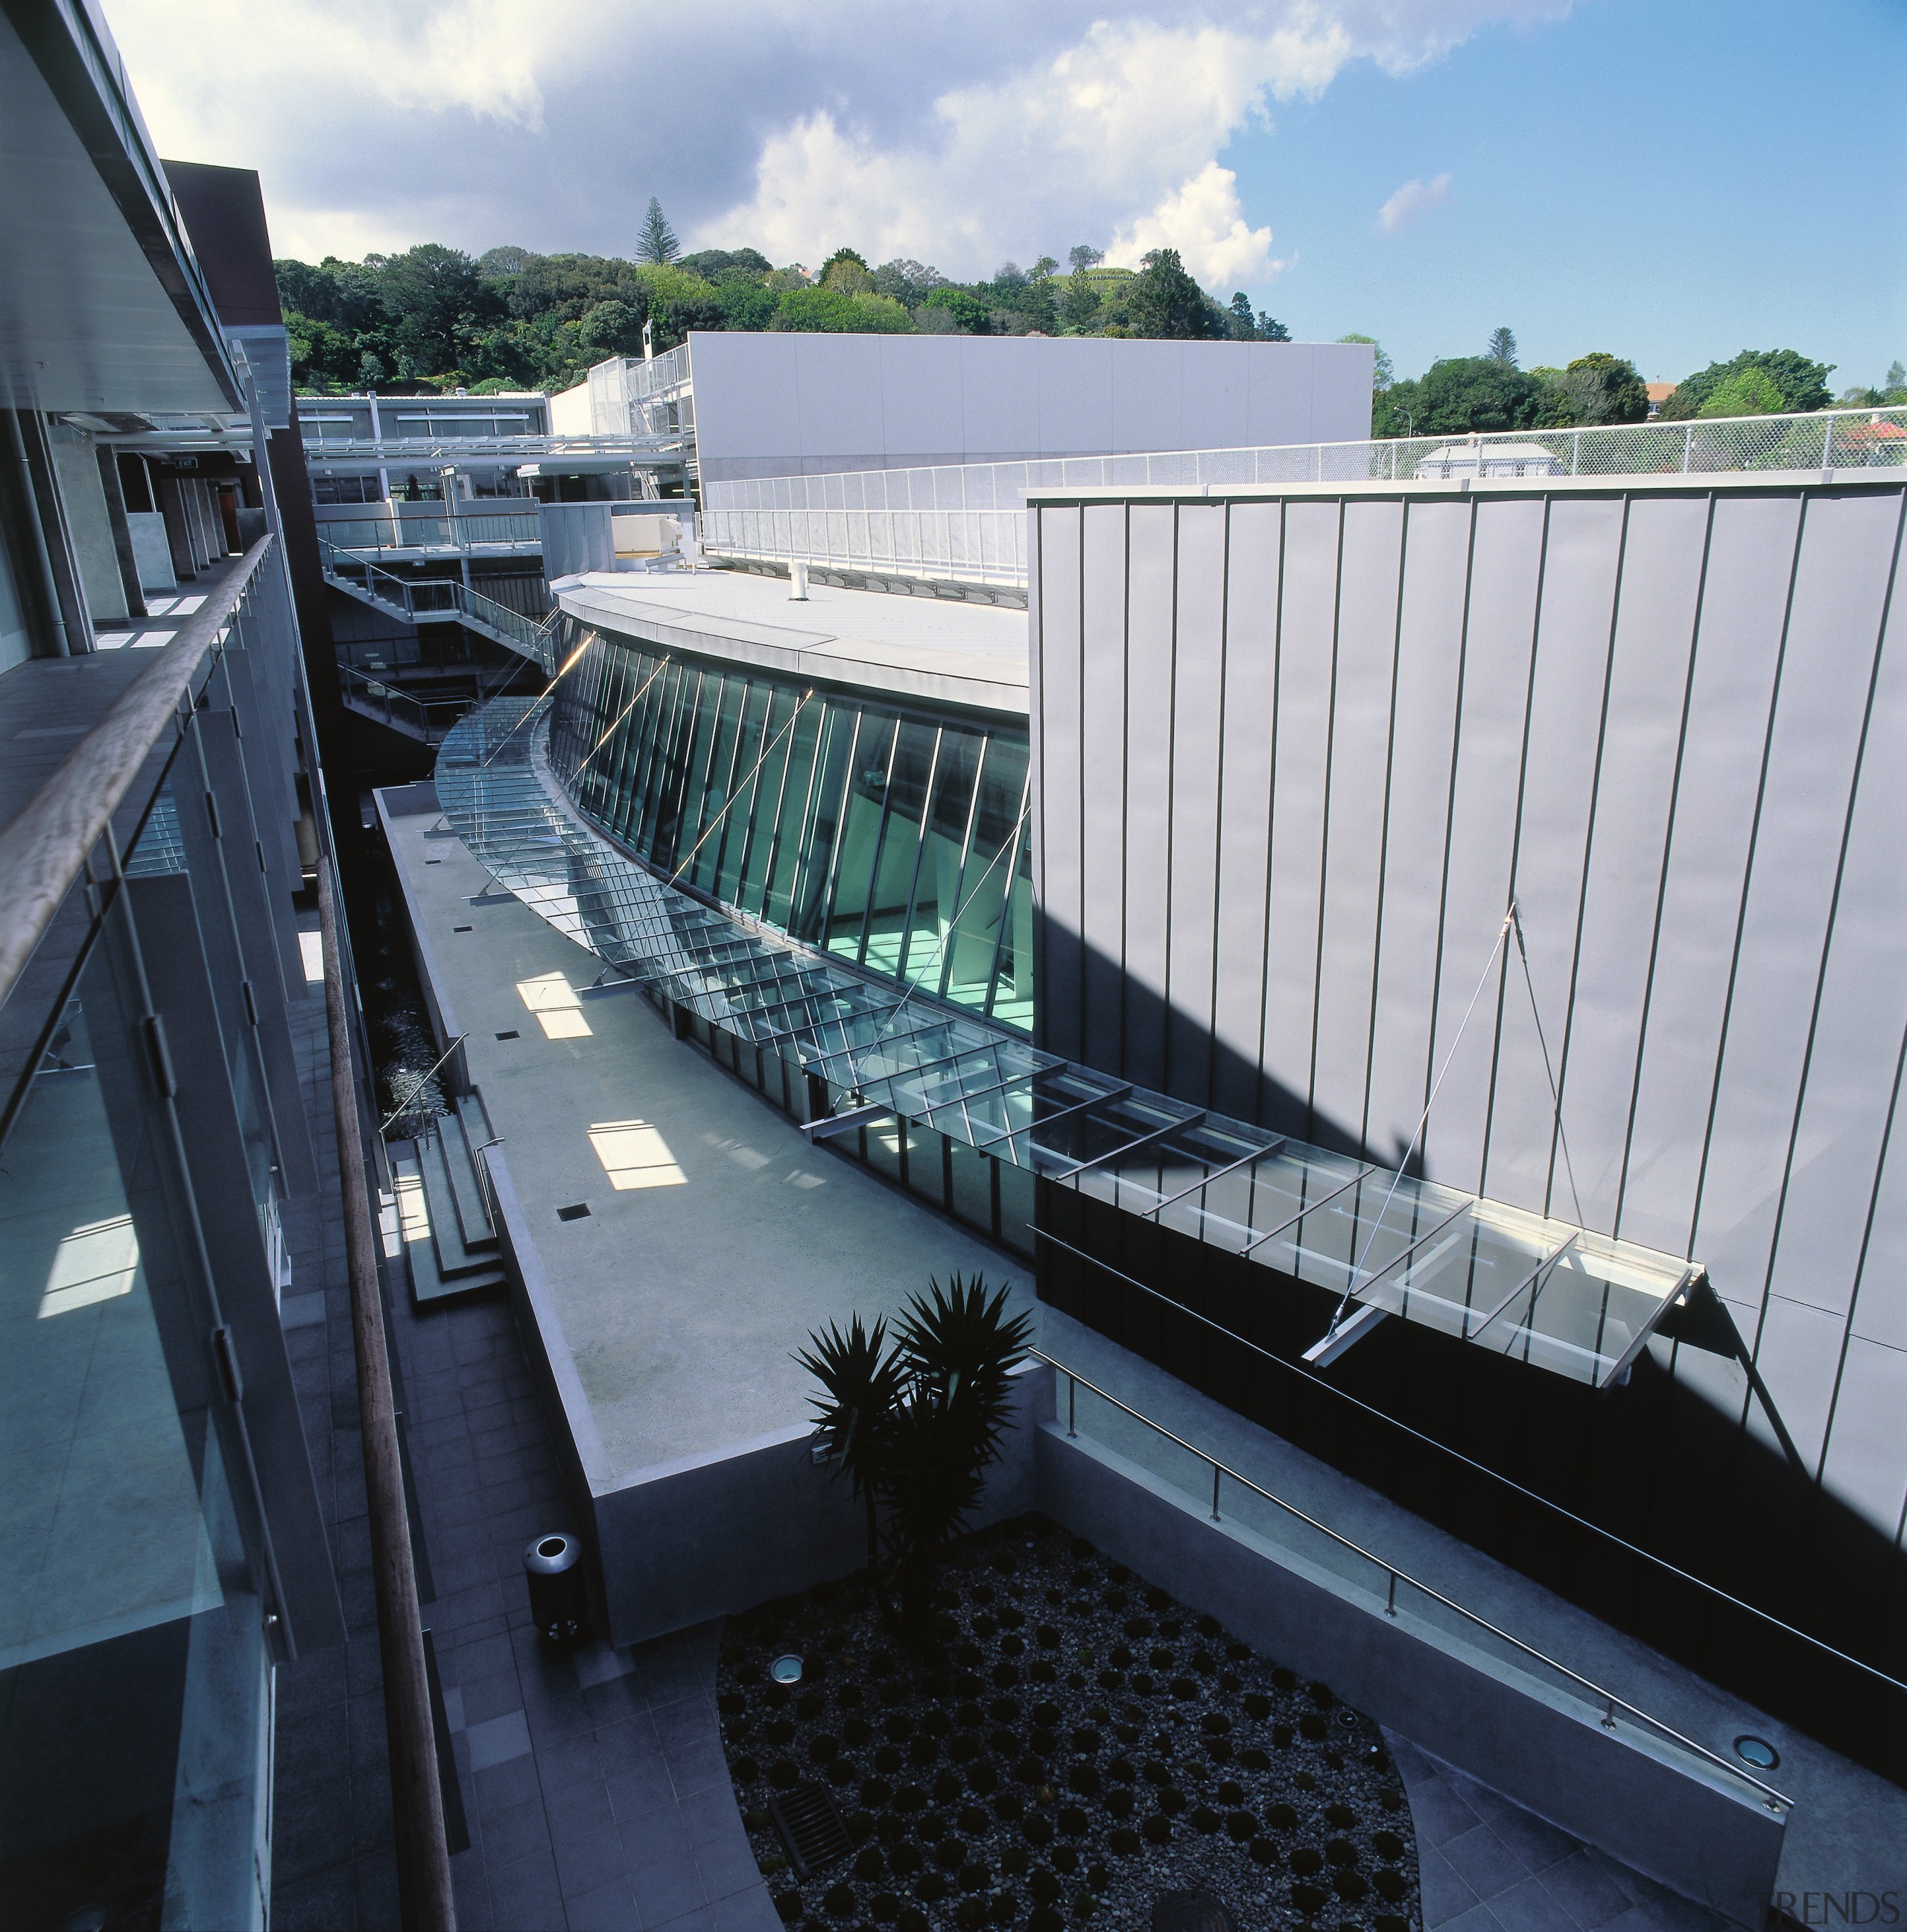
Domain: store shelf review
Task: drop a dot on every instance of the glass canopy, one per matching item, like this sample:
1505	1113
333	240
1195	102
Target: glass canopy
1575	1302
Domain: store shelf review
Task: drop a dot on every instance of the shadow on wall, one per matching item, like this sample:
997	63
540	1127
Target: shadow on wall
1674	1462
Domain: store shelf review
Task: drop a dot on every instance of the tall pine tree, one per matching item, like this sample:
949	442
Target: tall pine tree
655	240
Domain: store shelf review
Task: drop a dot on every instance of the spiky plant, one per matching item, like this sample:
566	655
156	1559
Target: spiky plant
861	1380
956	1346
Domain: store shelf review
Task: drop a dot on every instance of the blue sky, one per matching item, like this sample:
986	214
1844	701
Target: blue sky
1672	181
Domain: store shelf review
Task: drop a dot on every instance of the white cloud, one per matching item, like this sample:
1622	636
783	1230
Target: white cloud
1413	198
959	134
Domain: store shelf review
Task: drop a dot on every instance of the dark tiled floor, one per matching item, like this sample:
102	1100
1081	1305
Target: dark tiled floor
1487	1865
593	1781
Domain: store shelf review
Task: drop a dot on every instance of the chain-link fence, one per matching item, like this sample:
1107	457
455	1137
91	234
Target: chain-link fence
963	522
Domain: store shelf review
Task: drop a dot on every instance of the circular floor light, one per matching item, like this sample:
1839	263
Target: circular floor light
1757	1752
786	1669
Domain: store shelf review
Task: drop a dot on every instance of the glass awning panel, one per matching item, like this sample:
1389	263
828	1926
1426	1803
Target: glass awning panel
1574	1303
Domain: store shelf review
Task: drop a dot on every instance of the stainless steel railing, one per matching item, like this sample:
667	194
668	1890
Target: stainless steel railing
1596	1694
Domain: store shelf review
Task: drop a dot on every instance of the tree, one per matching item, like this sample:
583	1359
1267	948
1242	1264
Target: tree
1598	387
854	1415
1458	396
435	298
1748	392
712	264
1502	347
908	282
508	259
835	312
1164	303
1242	325
969	312
655	240
1270	329
1897	377
1382	374
1083	258
1802	384
610	328
1079	304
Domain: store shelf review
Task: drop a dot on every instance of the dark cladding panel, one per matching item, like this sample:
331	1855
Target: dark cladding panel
1361	725
1437	545
1499	630
1252	559
1751	556
1841	582
1102	739
1056	751
1307	641
1149	790
1198	696
1648	678
1863	1466
1581	559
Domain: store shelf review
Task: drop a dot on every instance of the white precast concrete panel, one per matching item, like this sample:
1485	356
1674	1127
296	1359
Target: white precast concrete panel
999	387
841	396
748	407
1075	396
1102	818
921	382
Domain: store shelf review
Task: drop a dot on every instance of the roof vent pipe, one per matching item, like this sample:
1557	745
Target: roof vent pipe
797	583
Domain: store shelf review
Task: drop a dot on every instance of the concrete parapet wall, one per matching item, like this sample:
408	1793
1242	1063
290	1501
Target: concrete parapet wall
685	1541
1615	1790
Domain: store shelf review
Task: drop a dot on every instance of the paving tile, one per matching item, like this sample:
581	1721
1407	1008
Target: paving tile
374	1882
493	1697
639	1792
1478	1918
750	1911
497	1740
727	1864
600	1663
470	1888
1527	1907
701	1919
711	1814
589	1862
563	1763
1445	1895
1439	1812
1584	1887
1534	1840
515	1832
461	1662
698	1765
319	1902
1484	1861
508	1783
611	1908
580	1810
525	1894
668	1890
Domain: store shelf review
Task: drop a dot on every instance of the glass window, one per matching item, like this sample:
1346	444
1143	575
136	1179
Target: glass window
976	936
717	785
815	852
860	833
124	1586
766	808
972	1197
746	785
926	1171
1013	993
908	785
783	862
943	850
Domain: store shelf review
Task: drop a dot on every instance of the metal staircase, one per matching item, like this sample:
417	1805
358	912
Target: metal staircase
434	600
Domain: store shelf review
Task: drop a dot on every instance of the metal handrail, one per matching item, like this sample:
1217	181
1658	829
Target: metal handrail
422	1081
1774	1800
43	849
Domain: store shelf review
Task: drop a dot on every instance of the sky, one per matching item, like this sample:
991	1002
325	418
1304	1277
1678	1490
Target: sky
1669	182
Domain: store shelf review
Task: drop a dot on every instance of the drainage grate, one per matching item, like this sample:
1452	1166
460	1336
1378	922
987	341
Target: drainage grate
512	1034
575	1213
809	1827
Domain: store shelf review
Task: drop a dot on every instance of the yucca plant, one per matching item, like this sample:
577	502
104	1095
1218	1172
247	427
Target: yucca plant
956	1345
861	1380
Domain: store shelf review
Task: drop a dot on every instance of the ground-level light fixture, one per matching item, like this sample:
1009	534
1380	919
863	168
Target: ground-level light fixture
1757	1752
786	1669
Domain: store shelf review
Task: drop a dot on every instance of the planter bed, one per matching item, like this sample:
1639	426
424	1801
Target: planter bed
1077	1744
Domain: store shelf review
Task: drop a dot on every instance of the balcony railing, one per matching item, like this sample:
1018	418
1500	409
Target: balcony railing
963	522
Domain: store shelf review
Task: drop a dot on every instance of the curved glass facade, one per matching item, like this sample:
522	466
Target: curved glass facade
892	838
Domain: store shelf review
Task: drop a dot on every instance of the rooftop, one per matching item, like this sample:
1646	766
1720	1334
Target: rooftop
940	649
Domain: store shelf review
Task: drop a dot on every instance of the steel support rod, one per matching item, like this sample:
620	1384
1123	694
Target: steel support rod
417	1809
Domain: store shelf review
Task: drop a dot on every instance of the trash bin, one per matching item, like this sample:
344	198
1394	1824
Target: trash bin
556	1586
